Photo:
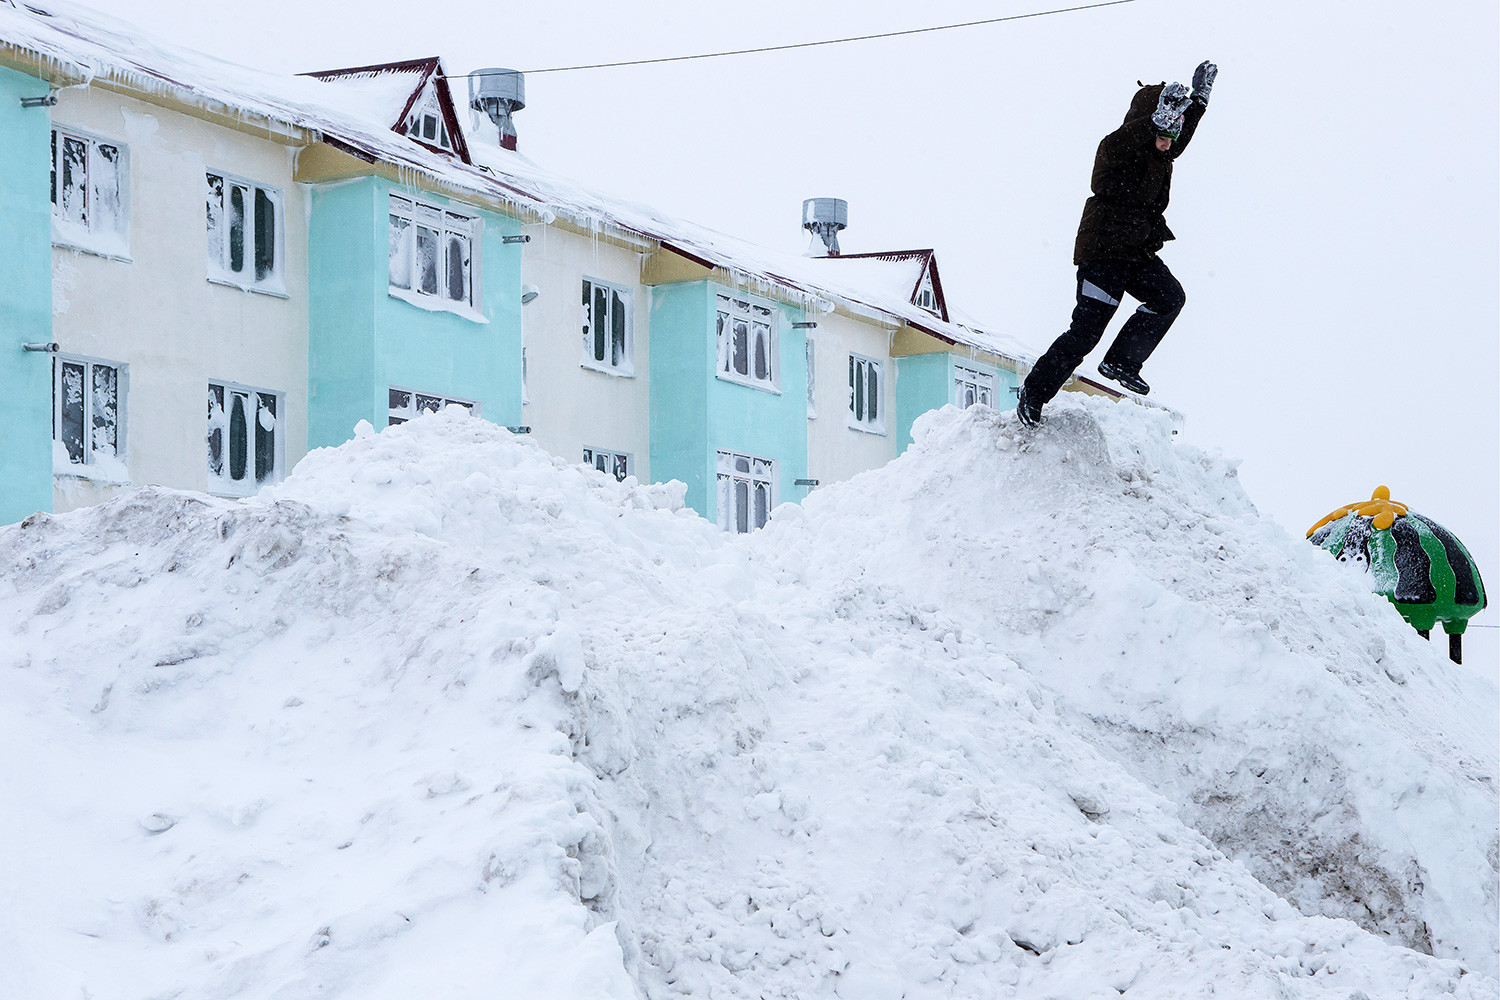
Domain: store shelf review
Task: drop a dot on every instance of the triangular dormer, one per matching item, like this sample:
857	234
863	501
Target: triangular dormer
913	272
414	96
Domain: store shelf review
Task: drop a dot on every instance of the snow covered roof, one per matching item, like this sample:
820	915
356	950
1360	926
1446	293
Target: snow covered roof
70	45
898	270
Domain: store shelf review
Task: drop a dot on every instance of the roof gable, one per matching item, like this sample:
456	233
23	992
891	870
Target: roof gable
916	270
413	96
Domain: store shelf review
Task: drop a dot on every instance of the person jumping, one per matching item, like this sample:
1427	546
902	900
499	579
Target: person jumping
1123	227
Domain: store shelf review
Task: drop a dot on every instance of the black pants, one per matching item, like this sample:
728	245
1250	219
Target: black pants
1100	285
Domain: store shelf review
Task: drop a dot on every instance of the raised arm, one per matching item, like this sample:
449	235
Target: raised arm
1203	85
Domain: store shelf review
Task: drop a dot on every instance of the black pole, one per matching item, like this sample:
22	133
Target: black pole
1456	647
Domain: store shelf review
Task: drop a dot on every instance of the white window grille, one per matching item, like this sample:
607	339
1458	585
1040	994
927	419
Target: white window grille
425	123
927	294
747	339
90	193
747	491
406	404
608	341
433	256
812	379
244	232
244	438
87	416
617	464
866	410
970	386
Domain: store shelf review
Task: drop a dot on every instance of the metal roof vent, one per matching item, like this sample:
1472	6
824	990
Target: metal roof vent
498	93
825	217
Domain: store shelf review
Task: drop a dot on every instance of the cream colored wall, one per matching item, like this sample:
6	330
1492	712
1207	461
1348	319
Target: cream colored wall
835	450
159	314
570	407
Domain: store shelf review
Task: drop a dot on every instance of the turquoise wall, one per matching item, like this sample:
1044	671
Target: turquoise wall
363	340
25	300
694	413
925	382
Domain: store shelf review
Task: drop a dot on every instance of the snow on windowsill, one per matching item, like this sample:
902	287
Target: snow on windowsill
275	289
866	429
107	469
749	383
110	248
595	366
433	303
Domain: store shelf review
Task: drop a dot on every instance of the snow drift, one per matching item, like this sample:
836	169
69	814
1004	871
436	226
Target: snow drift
1057	715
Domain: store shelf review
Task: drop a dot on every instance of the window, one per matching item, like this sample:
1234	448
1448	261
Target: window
244	438
86	417
432	254
244	233
864	394
607	341
90	193
972	386
407	403
747	491
613	462
425	123
747	342
927	295
812	373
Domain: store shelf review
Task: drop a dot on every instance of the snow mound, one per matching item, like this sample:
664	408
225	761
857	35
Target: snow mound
443	715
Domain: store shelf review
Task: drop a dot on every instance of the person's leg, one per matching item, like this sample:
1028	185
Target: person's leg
1100	285
1161	298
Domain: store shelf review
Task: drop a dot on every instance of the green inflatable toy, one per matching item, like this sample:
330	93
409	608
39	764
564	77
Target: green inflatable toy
1415	562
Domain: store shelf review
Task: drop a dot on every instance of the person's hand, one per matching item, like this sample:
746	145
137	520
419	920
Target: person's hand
1170	106
1203	81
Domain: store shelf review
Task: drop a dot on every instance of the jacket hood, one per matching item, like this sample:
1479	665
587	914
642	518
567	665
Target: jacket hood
1144	102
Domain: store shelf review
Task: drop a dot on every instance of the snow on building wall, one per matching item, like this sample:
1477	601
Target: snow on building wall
415	304
840	441
180	287
727	399
588	350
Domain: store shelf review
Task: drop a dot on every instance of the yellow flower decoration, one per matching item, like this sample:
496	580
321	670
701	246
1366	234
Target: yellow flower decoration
1380	506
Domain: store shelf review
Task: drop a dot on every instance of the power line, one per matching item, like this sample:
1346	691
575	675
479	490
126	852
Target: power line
827	41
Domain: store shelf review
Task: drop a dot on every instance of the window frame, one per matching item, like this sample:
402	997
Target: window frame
960	382
90	467
860	394
423	110
445	222
415	408
89	235
220	271
621	464
223	485
725	481
626	368
724	357
926	294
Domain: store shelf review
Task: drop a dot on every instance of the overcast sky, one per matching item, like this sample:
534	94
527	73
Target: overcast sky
1337	218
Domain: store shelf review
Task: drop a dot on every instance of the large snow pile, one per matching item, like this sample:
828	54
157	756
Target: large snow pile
1057	716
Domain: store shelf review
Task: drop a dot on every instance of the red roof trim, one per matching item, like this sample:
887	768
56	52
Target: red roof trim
428	70
929	266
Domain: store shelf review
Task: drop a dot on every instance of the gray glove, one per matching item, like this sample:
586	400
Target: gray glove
1203	81
1169	108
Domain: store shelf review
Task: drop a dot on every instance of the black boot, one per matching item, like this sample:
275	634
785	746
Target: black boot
1130	380
1028	410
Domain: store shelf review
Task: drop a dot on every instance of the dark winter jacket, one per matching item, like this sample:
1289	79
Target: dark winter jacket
1132	183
